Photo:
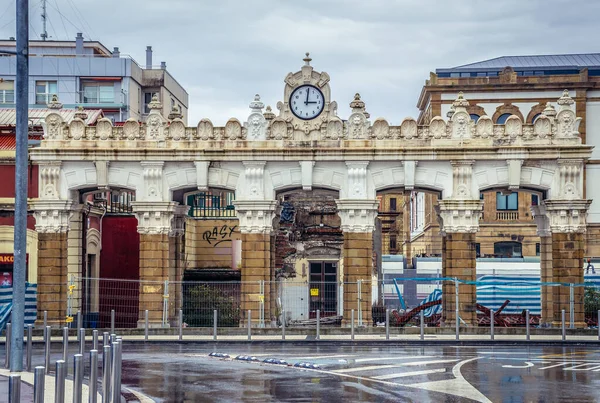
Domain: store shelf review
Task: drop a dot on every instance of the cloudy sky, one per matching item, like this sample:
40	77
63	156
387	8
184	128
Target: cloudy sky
223	52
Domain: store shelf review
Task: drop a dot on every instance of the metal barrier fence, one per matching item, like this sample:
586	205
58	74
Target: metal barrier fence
110	303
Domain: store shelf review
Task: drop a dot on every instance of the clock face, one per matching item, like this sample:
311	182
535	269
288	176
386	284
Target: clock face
307	102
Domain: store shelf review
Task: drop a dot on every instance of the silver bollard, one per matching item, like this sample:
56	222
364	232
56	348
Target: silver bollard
14	389
282	325
105	339
39	384
116	372
47	350
29	347
492	323
7	345
598	325
564	331
106	366
146	325
318	324
81	341
65	356
215	324
528	335
79	321
249	316
352	325
93	384
45	323
95	340
387	324
180	325
77	378
422	324
112	321
59	381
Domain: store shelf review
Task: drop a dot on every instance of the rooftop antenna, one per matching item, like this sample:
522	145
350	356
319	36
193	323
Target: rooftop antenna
44	33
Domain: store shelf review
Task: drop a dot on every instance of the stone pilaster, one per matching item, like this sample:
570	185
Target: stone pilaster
155	224
52	224
358	223
546	274
567	222
256	218
459	223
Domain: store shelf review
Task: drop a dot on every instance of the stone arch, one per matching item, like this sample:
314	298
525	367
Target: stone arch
535	110
507	108
495	175
435	177
476	110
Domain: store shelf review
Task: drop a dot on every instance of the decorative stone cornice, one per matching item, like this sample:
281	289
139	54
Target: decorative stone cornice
155	217
254	180
177	224
153	180
52	216
49	180
541	220
567	216
459	215
462	178
256	216
357	215
357	179
571	180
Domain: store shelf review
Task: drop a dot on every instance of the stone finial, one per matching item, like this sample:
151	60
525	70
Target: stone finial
565	100
307	59
175	113
549	111
256	105
460	102
357	104
54	103
269	115
155	103
451	112
80	114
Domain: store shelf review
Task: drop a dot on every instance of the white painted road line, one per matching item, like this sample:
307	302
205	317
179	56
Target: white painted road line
404	357
577	367
562	364
413	373
377	367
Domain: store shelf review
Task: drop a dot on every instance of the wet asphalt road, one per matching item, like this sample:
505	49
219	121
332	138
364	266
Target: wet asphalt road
185	373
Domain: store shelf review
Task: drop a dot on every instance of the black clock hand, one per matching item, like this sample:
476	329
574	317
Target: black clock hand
306	103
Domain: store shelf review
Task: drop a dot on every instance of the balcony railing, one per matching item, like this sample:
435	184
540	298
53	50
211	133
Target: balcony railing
507	215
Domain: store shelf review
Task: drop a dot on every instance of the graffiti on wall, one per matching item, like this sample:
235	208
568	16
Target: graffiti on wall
219	234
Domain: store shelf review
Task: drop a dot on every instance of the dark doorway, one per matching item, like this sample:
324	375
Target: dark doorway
323	289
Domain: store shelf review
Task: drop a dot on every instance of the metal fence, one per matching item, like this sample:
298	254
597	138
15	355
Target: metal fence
292	303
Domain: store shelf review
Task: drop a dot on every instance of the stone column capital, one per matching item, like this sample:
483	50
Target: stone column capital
358	215
255	216
541	220
52	216
566	216
156	217
459	216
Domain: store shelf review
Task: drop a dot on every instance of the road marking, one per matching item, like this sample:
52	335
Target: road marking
587	364
413	373
405	364
457	387
405	357
559	365
527	365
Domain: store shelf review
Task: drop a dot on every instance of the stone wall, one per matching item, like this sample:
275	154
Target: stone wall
210	243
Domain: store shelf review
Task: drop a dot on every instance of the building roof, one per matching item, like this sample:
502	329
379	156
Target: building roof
8	116
539	62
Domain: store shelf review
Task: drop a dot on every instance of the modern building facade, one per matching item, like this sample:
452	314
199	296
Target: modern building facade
522	86
87	74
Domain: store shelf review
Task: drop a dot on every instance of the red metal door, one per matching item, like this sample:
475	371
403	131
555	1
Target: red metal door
119	271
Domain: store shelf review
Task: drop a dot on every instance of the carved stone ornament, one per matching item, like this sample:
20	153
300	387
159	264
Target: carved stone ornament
409	129
155	126
104	129
52	216
175	113
462	124
380	129
459	215
131	129
49	180
567	216
462	177
255	216
177	130
233	130
256	126
357	179
53	126
541	219
54	103
334	129
570	179
513	127
254	180
357	216
155	217
280	130
205	130
153	180
357	127
77	129
542	127
437	128
484	127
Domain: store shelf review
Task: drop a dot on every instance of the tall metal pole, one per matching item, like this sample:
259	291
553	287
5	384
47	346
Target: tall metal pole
20	246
